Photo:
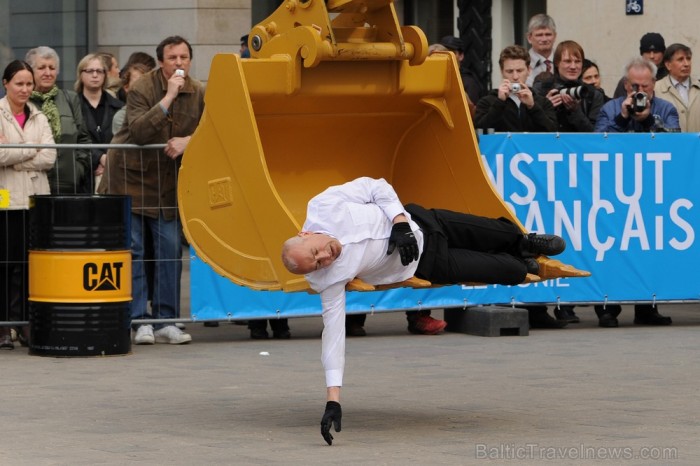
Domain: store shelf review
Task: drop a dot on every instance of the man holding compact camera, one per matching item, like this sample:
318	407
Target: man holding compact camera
639	111
163	107
512	106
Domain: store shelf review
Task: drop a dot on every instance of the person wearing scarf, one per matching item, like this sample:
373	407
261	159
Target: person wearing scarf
63	111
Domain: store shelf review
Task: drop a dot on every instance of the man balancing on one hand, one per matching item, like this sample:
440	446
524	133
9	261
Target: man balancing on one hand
352	230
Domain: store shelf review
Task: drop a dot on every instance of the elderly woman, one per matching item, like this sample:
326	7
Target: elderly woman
62	108
98	107
22	174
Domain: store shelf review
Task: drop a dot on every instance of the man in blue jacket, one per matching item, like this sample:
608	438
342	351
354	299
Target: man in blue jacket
639	111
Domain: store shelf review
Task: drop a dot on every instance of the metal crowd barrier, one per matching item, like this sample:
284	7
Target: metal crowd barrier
4	313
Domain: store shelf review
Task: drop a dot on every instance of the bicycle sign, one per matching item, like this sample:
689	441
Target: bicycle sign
635	7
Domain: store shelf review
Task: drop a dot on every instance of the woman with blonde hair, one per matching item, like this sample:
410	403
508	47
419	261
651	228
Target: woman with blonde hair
98	107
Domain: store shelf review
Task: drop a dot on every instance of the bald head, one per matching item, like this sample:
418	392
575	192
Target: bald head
308	252
290	249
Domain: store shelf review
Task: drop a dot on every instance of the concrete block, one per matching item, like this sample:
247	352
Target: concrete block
488	321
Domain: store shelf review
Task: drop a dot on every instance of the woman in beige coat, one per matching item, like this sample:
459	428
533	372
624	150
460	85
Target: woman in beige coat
22	174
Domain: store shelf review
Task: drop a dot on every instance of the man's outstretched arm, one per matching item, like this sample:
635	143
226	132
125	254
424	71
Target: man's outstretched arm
333	355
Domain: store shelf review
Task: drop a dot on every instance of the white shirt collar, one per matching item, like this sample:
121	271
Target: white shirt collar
677	83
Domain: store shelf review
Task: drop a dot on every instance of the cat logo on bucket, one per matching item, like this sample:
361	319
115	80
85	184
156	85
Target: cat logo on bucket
102	277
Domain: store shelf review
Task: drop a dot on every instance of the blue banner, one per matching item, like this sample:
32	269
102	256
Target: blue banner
623	202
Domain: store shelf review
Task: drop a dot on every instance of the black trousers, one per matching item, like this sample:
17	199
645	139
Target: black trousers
277	325
461	247
14	256
616	309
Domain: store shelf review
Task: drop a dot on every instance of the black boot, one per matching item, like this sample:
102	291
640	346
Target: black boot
548	245
607	315
258	329
567	314
647	314
280	329
355	325
539	318
532	266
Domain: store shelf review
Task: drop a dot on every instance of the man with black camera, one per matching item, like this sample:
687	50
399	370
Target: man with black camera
639	111
575	103
512	106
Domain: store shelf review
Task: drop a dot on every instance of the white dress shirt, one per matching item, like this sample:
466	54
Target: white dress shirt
682	88
538	65
359	214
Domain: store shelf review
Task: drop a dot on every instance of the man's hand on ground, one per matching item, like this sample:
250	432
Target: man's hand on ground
403	238
331	416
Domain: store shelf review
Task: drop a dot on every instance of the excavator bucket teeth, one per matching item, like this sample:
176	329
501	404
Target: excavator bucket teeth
552	268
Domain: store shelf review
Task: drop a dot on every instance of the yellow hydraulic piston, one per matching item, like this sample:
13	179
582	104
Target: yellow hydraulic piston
334	90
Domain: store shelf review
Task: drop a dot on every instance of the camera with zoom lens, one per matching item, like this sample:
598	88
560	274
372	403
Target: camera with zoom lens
578	92
639	101
515	88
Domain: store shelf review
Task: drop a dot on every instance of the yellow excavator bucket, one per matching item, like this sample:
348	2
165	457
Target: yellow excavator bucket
334	90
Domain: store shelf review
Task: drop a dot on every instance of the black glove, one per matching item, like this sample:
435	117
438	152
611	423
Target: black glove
403	238
331	416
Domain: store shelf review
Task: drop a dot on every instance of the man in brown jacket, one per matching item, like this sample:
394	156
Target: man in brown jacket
163	107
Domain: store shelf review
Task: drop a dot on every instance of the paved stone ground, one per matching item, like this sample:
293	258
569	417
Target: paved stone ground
552	396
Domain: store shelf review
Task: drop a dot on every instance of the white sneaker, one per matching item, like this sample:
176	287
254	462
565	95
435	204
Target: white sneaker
144	335
173	335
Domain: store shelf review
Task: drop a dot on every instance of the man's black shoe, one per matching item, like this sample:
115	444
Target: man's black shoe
258	334
607	320
548	245
567	314
353	329
532	266
651	318
281	334
539	319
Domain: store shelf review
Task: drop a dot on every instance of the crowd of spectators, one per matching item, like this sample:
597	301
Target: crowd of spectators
570	82
155	101
164	106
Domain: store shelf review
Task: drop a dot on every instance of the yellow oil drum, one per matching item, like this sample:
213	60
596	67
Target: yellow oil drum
80	275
